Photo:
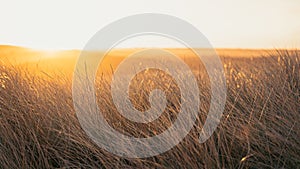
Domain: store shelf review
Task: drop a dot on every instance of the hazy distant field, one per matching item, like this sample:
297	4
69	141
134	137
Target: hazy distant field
260	127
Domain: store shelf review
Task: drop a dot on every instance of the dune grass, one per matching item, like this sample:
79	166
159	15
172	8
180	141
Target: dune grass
259	129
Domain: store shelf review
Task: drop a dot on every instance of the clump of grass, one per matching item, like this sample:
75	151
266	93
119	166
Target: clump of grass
259	129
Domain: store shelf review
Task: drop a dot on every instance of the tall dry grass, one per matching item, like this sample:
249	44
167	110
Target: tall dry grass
260	127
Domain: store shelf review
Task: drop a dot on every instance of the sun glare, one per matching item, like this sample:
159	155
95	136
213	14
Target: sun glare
50	54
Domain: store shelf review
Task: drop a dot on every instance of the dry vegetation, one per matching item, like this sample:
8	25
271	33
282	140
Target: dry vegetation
260	127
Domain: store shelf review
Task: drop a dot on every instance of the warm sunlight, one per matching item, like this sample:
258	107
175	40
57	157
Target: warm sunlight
50	54
149	84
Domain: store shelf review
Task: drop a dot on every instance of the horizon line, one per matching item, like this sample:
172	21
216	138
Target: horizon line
128	48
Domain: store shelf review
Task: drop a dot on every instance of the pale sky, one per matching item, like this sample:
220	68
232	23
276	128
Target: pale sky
62	24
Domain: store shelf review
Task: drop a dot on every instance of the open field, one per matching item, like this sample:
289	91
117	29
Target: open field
260	127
